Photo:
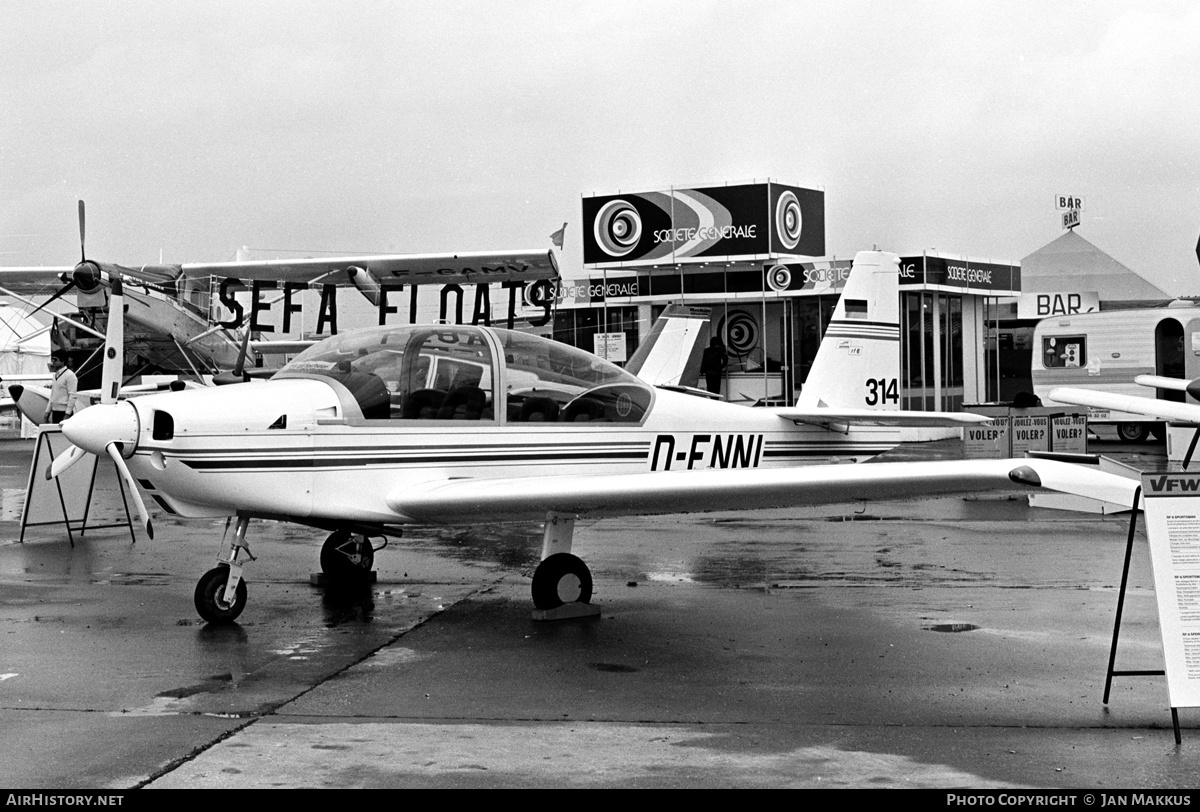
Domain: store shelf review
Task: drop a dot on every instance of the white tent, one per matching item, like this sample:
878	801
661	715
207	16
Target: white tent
24	350
24	344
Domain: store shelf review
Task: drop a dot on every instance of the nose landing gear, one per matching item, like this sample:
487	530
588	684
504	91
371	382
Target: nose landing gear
221	593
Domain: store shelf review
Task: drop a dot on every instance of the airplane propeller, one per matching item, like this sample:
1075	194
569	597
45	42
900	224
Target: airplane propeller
95	428
88	274
85	276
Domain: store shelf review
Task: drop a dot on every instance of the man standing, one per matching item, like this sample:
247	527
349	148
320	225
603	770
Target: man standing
62	391
713	364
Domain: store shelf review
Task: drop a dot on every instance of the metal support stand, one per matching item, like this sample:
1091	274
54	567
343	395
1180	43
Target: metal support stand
1112	654
43	454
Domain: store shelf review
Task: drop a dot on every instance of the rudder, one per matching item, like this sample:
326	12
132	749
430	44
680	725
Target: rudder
858	362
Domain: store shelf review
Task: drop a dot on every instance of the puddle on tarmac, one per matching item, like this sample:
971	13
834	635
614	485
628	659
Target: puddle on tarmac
12	502
951	627
613	668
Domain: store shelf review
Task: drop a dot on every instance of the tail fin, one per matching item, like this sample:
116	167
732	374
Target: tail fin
858	362
670	355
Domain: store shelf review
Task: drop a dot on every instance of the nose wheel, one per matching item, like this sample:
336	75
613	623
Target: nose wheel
221	593
210	599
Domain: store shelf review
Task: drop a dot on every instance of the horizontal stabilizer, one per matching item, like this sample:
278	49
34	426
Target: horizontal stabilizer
819	416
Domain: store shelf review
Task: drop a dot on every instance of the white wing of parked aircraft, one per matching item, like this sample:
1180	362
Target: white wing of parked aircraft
371	430
1153	407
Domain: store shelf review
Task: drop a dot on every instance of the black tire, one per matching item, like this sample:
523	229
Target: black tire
561	578
209	602
347	558
1133	432
1158	431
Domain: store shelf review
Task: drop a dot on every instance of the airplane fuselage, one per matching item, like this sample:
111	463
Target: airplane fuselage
347	426
320	465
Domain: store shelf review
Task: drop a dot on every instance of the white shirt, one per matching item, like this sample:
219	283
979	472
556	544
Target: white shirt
62	391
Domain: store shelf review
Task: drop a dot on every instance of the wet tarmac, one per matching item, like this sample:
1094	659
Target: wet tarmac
940	643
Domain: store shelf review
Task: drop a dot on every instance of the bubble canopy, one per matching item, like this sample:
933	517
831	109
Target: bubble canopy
461	372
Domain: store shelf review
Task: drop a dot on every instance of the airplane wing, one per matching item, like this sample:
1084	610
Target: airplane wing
409	269
462	501
832	417
465	267
33	281
1152	407
1158	381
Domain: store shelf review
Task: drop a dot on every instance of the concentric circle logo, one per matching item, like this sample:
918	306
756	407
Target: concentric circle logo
618	228
779	277
788	220
539	294
740	330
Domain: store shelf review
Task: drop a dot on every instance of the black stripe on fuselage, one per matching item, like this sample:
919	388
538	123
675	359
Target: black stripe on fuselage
445	459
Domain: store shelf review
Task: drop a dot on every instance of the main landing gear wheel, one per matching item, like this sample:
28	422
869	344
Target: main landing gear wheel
559	579
210	597
347	558
1133	432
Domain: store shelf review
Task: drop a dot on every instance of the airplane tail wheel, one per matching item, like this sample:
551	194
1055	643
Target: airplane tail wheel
561	578
346	557
210	600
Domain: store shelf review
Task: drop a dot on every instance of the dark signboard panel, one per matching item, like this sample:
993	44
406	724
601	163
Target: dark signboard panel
709	223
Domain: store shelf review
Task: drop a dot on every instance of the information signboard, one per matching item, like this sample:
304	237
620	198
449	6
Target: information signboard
1030	433
1172	507
610	347
986	441
1068	434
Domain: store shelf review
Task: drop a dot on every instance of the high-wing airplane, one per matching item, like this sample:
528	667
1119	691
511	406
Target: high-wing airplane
379	428
170	323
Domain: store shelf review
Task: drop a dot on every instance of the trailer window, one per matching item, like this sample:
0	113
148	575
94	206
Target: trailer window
1064	352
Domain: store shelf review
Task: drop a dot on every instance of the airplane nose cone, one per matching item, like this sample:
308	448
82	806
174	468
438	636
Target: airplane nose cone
97	426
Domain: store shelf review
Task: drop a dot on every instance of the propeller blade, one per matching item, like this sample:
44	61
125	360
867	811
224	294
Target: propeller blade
114	345
82	253
65	460
123	469
65	288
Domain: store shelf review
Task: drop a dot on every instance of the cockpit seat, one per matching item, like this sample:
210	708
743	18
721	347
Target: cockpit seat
370	392
463	403
539	410
583	410
423	404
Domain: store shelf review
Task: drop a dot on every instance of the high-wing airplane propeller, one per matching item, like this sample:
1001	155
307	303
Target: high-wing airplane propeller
88	275
375	429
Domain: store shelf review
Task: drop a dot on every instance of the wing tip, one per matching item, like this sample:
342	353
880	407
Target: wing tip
1024	475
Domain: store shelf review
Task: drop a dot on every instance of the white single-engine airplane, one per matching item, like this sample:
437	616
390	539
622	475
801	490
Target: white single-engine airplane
454	424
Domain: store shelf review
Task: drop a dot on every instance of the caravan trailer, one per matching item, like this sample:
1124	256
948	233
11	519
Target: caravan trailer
1107	350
